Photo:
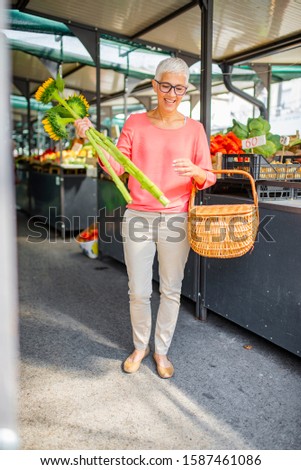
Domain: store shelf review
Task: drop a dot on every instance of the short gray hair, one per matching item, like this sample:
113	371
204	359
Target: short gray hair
172	65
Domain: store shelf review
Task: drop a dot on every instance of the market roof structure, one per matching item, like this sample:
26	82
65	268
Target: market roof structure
243	31
261	37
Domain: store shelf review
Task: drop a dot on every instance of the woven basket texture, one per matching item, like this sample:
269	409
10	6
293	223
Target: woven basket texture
223	231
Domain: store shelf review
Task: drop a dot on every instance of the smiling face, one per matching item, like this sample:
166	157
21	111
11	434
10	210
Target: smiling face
169	102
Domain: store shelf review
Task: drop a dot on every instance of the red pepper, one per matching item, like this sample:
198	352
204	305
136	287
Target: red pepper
225	143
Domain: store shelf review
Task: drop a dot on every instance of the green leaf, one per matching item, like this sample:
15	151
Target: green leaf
294	142
266	150
275	138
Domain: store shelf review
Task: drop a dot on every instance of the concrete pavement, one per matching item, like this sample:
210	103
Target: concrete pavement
74	335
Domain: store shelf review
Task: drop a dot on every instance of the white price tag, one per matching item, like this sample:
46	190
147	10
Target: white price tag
284	140
76	147
253	142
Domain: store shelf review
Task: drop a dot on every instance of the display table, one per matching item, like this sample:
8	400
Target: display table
261	290
67	201
22	185
111	206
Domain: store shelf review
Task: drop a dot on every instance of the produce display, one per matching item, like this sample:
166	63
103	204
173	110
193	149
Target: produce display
256	127
225	143
83	155
279	158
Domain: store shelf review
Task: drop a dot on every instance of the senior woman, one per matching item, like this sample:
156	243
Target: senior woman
172	150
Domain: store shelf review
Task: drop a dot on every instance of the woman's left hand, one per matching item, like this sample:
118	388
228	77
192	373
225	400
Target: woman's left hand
185	167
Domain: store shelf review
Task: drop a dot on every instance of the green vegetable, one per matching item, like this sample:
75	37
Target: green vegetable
256	132
259	124
254	128
275	138
266	150
295	142
239	129
255	125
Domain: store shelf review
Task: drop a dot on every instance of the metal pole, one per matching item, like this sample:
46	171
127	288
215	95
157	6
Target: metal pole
8	260
98	82
205	91
62	179
28	117
269	81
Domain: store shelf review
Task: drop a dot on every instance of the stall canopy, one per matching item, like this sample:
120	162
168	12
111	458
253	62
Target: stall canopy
256	37
243	31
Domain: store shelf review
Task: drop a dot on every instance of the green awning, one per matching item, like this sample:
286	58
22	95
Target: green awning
23	22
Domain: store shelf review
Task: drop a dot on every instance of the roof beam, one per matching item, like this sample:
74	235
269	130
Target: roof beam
20	5
117	36
74	70
164	20
18	81
277	46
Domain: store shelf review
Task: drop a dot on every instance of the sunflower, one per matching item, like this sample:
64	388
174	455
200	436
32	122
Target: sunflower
75	107
79	105
55	125
46	91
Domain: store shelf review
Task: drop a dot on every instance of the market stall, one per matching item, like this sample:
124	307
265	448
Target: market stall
62	188
185	29
22	169
261	290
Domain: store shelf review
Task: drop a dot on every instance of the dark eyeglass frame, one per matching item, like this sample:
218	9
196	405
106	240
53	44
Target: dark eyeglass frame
170	87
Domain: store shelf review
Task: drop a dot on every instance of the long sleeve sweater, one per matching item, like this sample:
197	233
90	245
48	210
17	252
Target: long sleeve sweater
153	150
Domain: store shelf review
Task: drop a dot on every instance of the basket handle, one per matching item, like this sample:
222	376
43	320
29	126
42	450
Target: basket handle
229	172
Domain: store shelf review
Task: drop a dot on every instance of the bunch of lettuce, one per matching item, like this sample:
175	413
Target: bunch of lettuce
256	127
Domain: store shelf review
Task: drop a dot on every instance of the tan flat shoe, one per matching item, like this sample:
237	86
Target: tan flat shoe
132	366
164	372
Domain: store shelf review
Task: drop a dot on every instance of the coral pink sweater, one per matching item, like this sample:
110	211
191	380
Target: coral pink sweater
153	150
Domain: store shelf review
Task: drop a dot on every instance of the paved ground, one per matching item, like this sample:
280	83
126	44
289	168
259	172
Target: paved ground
74	330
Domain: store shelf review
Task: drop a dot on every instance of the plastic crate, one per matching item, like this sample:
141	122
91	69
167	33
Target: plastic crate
260	168
272	193
287	171
297	193
254	164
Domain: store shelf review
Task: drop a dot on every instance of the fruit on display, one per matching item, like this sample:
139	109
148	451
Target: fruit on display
74	154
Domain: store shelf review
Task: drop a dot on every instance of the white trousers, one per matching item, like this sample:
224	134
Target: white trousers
144	233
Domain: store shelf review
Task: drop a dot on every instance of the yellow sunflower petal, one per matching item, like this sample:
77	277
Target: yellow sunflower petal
45	91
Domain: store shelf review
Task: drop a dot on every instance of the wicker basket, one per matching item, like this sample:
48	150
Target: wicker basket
223	231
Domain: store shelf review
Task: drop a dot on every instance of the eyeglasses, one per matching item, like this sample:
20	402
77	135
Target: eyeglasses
165	87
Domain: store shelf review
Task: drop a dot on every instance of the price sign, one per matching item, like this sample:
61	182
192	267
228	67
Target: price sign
284	140
76	147
253	142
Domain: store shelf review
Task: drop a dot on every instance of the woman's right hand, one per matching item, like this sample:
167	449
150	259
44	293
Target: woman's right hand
81	126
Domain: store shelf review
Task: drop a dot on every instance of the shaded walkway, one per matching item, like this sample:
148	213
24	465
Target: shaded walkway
74	330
